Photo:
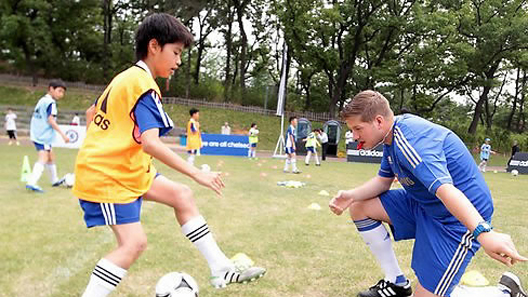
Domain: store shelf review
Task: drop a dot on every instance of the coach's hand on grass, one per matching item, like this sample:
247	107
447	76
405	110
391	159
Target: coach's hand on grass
212	180
500	247
341	202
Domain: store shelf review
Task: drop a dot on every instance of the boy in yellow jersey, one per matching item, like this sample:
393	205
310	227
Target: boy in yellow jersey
253	141
311	147
194	137
114	170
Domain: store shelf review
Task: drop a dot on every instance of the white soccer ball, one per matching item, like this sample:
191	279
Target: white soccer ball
69	180
176	284
205	168
514	172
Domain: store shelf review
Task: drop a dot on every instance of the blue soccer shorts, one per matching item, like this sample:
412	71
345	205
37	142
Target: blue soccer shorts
253	144
290	150
100	214
311	149
441	250
42	147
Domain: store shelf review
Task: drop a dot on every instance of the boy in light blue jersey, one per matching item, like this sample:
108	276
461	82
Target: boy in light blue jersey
485	151
290	147
42	133
445	204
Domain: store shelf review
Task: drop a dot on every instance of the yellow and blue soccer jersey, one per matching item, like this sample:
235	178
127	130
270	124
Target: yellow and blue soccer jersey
194	137
311	140
111	166
485	151
253	135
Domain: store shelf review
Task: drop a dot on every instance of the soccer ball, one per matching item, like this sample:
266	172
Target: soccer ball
176	284
205	168
514	172
69	180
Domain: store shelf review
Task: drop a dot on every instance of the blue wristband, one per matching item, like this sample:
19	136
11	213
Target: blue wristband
482	227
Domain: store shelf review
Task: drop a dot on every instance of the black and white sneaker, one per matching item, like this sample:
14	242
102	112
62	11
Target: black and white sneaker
387	289
511	283
59	182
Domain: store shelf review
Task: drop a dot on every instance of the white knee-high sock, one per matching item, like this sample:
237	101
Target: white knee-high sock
254	153
52	168
464	291
38	168
197	231
190	159
104	279
316	158
249	153
294	164
287	165
378	239
308	156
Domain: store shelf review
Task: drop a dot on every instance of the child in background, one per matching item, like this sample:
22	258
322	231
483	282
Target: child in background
311	147
485	151
253	141
194	138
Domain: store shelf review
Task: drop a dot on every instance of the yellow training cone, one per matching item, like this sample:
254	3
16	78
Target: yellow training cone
324	193
26	170
474	278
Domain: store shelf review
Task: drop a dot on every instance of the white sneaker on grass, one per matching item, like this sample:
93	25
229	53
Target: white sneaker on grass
236	276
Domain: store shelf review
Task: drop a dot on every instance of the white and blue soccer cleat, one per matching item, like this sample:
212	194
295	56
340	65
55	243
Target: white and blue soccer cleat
236	276
33	188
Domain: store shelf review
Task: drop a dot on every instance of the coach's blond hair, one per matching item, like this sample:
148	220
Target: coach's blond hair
368	104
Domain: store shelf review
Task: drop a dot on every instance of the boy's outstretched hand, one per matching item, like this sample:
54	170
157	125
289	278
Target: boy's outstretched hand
212	180
500	247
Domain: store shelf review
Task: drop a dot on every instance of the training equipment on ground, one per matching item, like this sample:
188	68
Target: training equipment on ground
205	168
26	170
176	284
474	278
242	261
514	172
324	193
291	184
69	180
314	206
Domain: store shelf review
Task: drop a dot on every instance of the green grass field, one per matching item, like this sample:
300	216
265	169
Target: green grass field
45	249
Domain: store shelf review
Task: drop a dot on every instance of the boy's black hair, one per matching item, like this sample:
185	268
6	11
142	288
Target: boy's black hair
292	118
165	29
57	83
253	125
193	111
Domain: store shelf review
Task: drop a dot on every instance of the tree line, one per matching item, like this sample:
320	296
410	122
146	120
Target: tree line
459	62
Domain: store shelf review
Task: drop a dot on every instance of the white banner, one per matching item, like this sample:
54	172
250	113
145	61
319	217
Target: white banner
76	134
282	84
